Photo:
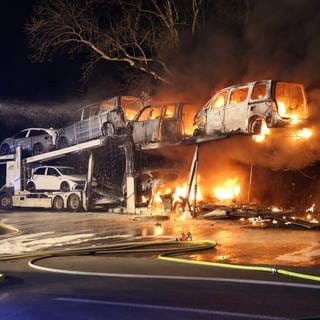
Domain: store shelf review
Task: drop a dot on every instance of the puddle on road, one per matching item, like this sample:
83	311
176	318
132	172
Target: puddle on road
46	240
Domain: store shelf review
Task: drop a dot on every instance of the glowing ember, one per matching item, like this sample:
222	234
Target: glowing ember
311	209
229	191
144	199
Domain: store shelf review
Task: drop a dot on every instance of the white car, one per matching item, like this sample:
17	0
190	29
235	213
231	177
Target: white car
55	178
32	141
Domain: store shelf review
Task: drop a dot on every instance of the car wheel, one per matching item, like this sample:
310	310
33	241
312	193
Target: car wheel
74	203
5	201
196	133
255	126
5	149
62	143
108	129
31	186
57	203
64	186
37	149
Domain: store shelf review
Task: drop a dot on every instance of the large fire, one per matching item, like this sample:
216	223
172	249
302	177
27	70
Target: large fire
228	191
177	193
283	111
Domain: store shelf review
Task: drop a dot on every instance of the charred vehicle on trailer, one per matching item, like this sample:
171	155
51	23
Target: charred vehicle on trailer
250	107
106	118
163	123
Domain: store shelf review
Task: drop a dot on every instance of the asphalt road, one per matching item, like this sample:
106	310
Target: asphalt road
140	286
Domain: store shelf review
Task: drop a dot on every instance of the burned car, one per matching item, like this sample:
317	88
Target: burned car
248	107
106	118
32	141
167	123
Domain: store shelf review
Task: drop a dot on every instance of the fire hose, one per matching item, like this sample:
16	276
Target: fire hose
169	250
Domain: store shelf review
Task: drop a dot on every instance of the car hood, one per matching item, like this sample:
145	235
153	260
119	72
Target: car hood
76	177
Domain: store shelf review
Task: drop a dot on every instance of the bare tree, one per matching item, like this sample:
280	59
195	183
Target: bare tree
138	33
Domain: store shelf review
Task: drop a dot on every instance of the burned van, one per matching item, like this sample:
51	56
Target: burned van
164	123
247	107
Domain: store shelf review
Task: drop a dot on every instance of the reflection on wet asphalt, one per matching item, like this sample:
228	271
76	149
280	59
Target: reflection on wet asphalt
50	230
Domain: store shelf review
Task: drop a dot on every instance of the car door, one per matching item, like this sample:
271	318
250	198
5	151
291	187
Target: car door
21	140
215	113
39	178
145	127
171	123
89	127
53	179
236	109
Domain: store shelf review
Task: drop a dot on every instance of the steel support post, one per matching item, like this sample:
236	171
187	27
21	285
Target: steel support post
130	177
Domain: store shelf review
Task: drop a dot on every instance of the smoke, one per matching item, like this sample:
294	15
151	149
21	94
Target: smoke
278	40
16	116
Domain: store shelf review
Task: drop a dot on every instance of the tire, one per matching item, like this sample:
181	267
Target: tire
255	126
57	203
31	186
108	129
5	149
5	201
74	203
37	149
64	186
62	142
196	133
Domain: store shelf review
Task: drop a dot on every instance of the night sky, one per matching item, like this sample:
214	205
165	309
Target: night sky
24	81
281	41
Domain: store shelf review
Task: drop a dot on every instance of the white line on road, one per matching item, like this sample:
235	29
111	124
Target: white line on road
170	308
168	277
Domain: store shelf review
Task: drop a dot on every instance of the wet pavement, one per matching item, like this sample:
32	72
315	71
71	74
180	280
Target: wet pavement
235	243
137	285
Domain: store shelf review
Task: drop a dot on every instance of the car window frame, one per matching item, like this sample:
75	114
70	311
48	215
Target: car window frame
40	168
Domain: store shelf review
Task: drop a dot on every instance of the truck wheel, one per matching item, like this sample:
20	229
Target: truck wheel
5	149
37	149
74	203
64	186
5	201
30	186
57	203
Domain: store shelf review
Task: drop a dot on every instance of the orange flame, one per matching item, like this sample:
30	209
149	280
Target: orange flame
264	132
229	191
304	133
